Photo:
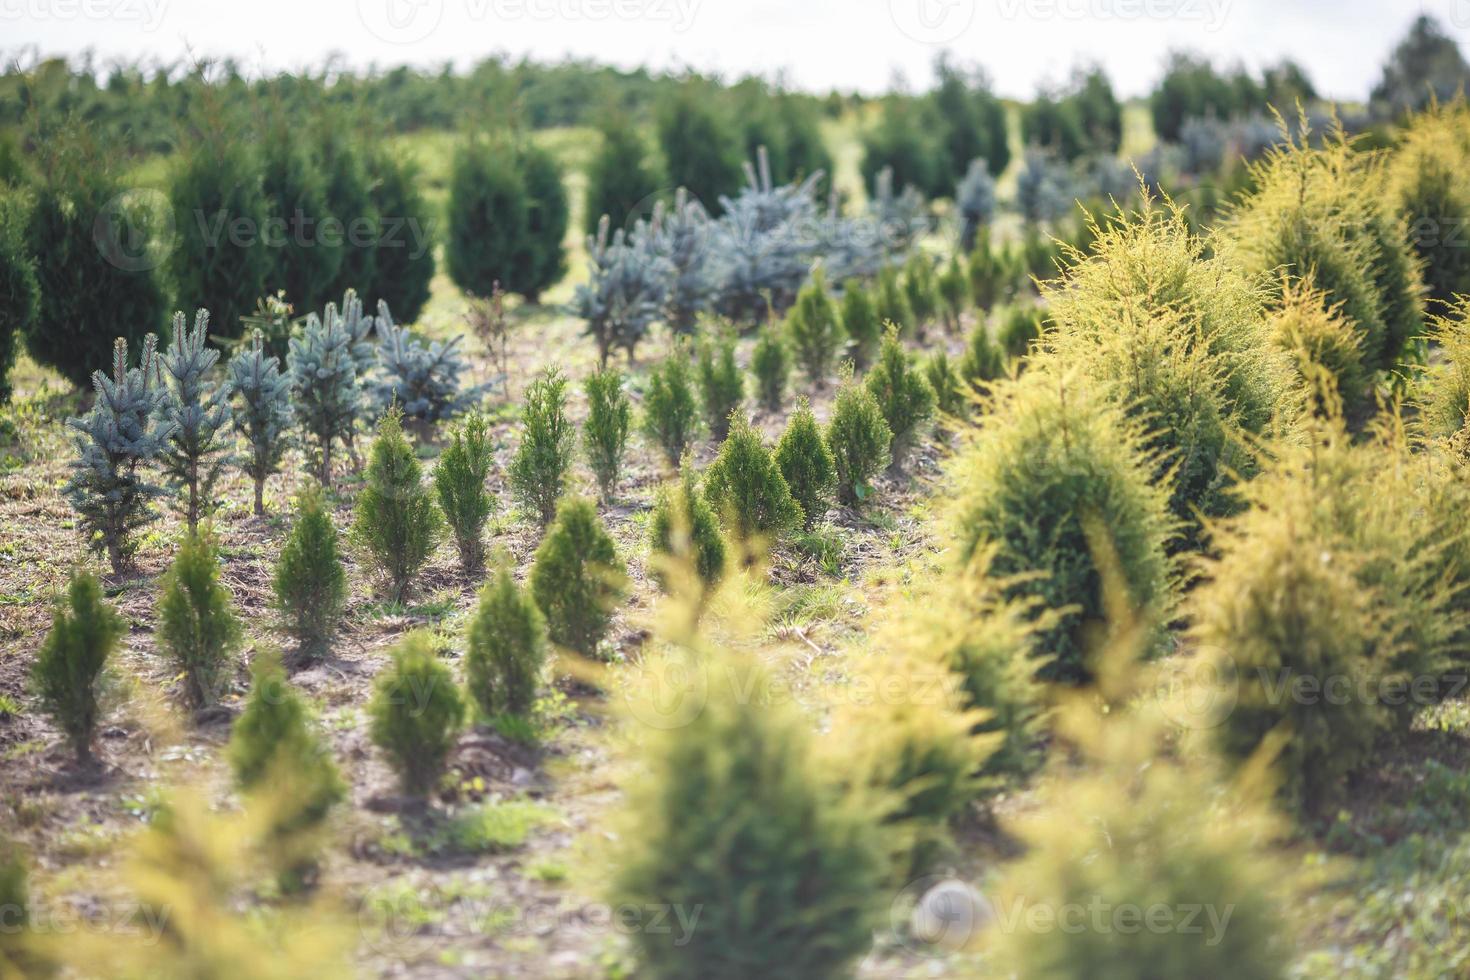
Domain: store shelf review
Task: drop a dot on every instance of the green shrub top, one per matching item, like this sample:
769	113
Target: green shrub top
416	713
1057	481
745	487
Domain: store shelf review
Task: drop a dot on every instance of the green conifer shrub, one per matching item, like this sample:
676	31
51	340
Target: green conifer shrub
807	465
745	487
577	578
721	385
1321	212
1149	368
701	148
892	302
771	362
415	714
813	331
1425	186
944	381
20	293
1331	576
123	432
264	416
197	625
1151	264
669	411
987	273
954	293
488	217
902	394
395	523
459	486
1214	855
859	438
276	752
921	291
293	178
309	582
984	360
1323	345
506	649
96	247
16	952
84	632
541	259
325	394
200	412
1050	473
216	181
403	261
738	818
684	527
861	323
622	176
605	433
538	472
1018	326
1443	392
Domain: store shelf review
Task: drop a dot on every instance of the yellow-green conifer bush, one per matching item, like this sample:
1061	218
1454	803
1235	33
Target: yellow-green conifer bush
416	714
197	625
1327	610
906	733
1322	212
1140	866
1323	345
1426	183
1443	391
731	819
276	752
1050	466
1148	263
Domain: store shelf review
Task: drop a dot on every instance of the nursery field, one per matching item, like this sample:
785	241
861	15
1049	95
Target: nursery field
735	532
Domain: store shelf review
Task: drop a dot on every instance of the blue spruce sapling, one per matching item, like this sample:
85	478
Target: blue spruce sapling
200	412
125	430
264	416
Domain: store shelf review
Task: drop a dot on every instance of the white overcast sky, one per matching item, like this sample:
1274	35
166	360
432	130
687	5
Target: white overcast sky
818	44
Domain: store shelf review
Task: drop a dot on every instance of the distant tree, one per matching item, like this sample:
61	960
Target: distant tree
1190	88
304	258
907	143
20	295
488	217
622	176
94	263
700	145
404	258
1426	64
972	121
221	208
541	259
